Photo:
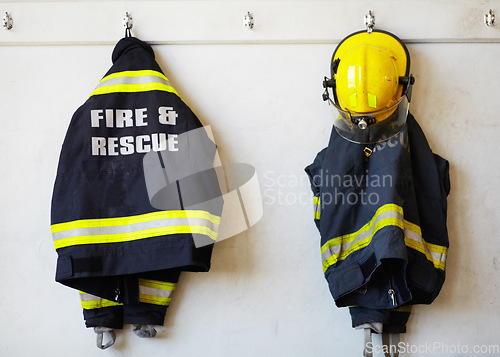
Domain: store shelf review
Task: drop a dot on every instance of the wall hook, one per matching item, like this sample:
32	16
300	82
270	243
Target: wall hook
489	18
369	21
248	20
128	22
7	21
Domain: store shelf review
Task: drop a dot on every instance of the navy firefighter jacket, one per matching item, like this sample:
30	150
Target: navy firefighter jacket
135	191
381	212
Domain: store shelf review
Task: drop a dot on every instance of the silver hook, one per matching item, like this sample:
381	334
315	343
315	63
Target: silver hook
128	22
489	18
7	22
248	20
369	21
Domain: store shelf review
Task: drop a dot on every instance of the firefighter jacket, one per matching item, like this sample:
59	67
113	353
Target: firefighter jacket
136	199
381	212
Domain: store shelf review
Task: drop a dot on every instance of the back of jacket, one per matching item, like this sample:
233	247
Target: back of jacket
130	177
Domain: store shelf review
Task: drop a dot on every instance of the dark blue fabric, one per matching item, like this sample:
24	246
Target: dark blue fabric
410	176
91	186
132	311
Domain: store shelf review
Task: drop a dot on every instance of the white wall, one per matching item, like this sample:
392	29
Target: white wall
265	294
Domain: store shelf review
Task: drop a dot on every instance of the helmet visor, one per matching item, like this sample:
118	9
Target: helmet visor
374	127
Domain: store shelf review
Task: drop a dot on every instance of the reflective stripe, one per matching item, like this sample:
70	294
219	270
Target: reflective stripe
120	221
388	215
133	88
317	207
133	81
140	73
155	292
339	248
123	229
150	291
95	302
135	227
435	253
350	242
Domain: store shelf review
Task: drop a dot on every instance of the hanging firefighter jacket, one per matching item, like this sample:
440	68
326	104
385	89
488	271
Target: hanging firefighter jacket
379	191
136	200
381	212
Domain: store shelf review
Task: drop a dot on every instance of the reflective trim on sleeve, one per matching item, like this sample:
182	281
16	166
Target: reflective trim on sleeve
90	301
133	81
435	253
317	207
339	248
124	229
156	292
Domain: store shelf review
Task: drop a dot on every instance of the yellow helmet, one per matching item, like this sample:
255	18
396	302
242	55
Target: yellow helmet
371	86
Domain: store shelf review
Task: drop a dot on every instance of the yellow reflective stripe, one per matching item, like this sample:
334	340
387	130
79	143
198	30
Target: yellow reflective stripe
89	301
97	304
368	226
155	292
435	253
431	247
156	284
122	221
140	73
123	229
372	100
317	207
156	300
130	88
133	81
362	243
353	100
338	248
130	236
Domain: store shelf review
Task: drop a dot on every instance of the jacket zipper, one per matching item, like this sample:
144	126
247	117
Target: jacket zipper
392	294
391	291
117	294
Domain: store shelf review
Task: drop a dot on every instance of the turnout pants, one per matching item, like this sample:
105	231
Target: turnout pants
141	299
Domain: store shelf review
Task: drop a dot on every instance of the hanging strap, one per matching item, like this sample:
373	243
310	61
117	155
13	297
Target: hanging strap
144	331
368	340
99	330
391	341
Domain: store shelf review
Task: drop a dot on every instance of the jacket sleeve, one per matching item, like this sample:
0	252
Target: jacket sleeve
314	172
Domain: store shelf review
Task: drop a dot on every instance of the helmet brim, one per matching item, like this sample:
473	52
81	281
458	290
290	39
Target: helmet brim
374	127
